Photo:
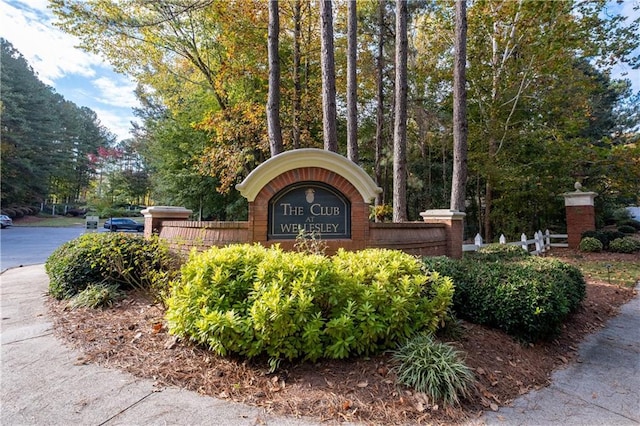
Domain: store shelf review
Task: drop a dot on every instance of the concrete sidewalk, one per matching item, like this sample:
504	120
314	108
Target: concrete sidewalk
41	382
602	388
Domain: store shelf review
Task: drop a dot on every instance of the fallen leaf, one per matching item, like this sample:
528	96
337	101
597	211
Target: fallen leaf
346	405
493	406
136	337
419	407
362	384
171	343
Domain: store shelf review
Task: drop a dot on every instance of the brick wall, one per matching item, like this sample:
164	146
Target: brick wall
579	220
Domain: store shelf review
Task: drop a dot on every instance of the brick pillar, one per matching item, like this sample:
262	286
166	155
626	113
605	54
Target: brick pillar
454	224
153	217
580	214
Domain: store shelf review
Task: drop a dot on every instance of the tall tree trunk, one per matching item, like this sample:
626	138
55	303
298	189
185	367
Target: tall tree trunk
297	87
400	124
352	84
330	133
379	98
488	204
460	128
273	102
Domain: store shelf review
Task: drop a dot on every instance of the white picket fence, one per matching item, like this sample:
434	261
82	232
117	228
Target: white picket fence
540	242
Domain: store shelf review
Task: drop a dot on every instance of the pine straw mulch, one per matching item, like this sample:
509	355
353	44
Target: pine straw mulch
132	336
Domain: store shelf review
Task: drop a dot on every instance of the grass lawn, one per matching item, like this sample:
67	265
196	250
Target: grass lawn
52	221
613	271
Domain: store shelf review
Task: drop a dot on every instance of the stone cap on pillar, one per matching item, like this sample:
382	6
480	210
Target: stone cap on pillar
443	214
578	197
167	212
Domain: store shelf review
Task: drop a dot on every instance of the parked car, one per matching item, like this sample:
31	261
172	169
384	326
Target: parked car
5	221
123	223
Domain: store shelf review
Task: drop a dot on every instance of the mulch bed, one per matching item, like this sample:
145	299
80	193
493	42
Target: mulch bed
132	336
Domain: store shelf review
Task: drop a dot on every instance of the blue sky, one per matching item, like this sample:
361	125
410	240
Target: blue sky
88	81
80	77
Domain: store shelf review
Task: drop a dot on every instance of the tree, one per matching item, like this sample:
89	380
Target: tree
273	104
297	86
379	145
352	83
46	140
329	116
459	177
400	124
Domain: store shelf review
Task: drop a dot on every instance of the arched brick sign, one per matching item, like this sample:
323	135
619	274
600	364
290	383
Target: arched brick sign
309	189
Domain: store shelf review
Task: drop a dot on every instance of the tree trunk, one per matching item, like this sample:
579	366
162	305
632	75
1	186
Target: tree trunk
488	201
297	87
273	102
379	98
400	125
460	128
330	133
352	84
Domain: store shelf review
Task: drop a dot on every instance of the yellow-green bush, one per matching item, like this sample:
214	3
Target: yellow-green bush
250	300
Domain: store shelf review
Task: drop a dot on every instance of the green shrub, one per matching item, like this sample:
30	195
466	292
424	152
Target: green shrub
627	229
106	213
250	300
96	296
590	245
635	224
526	298
433	368
499	252
624	245
603	237
610	236
123	260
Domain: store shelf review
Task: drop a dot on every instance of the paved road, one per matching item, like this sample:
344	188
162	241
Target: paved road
22	246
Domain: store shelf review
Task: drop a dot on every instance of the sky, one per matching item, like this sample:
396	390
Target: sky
80	77
88	81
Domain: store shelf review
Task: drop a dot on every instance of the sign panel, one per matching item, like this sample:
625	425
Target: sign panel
309	207
91	222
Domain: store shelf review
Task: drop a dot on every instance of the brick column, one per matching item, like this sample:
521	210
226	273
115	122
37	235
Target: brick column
153	217
580	214
454	224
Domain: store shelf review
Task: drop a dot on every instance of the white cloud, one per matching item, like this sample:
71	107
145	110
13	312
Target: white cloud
80	77
116	92
114	122
50	52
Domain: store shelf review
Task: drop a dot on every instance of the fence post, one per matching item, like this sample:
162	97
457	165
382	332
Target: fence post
503	239
547	242
478	240
523	240
538	239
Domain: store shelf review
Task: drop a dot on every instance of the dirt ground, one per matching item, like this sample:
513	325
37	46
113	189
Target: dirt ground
132	336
